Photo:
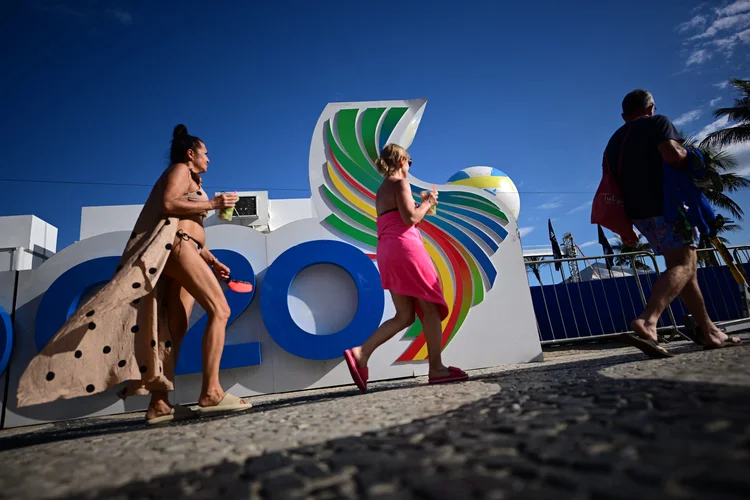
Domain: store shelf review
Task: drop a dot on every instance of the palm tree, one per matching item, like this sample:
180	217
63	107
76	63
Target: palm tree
627	260
534	265
739	113
722	163
707	258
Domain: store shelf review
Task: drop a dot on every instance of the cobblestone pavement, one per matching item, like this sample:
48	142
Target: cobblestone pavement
588	423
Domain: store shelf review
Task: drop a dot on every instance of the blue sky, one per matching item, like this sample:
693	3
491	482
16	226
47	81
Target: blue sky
92	90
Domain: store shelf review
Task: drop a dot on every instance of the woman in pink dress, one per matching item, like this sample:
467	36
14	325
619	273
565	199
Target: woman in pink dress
406	270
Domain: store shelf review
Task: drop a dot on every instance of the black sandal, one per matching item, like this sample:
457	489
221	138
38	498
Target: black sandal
695	334
730	342
649	347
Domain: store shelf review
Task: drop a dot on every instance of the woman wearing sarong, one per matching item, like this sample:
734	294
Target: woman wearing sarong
130	330
406	270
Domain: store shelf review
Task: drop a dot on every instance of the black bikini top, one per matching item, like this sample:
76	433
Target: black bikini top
388	211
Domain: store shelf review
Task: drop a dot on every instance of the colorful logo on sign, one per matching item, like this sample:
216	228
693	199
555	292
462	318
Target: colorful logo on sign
290	332
461	238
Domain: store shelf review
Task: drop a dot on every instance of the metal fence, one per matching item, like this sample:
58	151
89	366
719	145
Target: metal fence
609	291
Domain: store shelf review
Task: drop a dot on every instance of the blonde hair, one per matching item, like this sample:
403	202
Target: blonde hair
390	159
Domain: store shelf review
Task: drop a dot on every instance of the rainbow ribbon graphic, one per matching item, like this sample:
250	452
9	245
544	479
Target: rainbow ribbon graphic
460	239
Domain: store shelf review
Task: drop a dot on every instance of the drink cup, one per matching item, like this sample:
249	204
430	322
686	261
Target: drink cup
433	209
227	213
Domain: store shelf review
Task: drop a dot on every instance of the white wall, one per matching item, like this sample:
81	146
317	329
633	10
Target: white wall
25	234
8	259
283	212
100	220
106	219
15	231
7	287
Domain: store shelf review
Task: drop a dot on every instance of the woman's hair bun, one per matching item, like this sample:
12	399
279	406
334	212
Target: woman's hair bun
181	142
179	131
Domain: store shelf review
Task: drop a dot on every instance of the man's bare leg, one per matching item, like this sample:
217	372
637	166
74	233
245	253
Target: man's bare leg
681	268
693	298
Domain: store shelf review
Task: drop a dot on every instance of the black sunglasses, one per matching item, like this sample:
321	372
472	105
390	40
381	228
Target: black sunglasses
410	162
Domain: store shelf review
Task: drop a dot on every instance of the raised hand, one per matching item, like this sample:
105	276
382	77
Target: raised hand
224	200
431	197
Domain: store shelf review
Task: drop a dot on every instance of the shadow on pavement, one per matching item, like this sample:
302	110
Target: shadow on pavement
90	427
561	431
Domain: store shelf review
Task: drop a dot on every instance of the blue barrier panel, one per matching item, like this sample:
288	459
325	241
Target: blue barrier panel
600	307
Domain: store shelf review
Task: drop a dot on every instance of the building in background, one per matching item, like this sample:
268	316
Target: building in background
25	242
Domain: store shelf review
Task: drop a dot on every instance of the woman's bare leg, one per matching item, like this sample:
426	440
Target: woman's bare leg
404	318
433	333
159	405
187	267
179	307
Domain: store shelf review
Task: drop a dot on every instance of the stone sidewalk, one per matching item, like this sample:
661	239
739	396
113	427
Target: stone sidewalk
588	423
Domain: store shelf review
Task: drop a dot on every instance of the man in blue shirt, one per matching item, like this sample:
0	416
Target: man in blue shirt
637	153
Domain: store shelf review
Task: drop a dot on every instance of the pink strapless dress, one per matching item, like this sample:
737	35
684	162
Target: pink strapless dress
405	266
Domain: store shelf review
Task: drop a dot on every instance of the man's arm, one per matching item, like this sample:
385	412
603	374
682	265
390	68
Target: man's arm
673	153
668	140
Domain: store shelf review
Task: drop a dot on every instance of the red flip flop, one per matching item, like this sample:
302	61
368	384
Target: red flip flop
359	375
454	375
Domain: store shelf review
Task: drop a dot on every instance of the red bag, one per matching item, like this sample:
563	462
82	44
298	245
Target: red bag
608	208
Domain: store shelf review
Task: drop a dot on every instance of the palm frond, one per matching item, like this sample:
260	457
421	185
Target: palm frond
722	160
740	112
534	265
620	247
709	257
729	228
629	260
714	157
741	85
732	182
688	140
727	136
723	201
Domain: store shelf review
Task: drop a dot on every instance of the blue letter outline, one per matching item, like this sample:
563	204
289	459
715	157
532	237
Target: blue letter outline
275	306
